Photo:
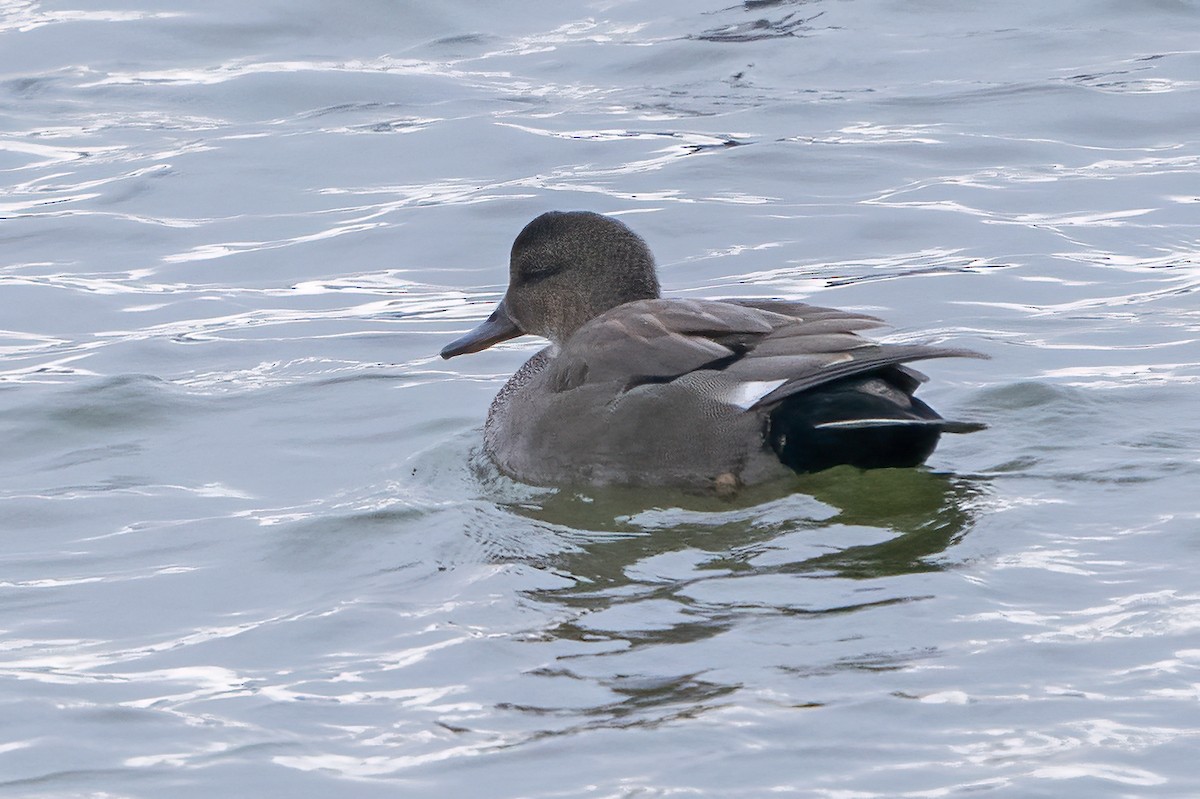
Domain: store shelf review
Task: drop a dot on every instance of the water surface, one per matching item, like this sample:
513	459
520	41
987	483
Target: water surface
251	548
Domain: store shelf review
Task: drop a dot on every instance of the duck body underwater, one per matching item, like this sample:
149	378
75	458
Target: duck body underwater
635	389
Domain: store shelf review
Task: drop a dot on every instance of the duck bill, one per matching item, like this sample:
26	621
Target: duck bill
496	328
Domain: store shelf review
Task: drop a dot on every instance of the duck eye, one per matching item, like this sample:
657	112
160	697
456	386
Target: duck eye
536	270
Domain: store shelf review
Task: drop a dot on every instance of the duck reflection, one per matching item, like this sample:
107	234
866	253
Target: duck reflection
919	514
636	702
642	575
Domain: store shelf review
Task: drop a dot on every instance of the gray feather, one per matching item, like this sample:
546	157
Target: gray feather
744	341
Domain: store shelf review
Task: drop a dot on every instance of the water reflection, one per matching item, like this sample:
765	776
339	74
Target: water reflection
636	702
792	24
841	523
928	512
641	571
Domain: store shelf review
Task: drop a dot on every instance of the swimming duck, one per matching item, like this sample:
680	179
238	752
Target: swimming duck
635	389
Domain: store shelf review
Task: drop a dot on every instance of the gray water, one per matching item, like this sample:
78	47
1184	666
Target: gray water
250	547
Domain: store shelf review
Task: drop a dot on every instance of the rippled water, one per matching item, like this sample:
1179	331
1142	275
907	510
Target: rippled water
250	547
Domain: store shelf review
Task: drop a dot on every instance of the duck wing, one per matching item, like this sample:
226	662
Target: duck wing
759	351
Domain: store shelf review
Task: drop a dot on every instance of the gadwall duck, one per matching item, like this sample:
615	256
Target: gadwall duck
639	390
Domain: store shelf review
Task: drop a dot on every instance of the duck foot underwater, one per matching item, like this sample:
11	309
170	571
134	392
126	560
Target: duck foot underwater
635	389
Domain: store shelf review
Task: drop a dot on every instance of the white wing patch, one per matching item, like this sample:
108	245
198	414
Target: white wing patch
845	356
744	395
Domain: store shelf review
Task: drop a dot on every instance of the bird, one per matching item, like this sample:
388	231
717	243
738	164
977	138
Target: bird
640	390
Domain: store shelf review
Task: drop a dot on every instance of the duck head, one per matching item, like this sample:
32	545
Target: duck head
566	268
